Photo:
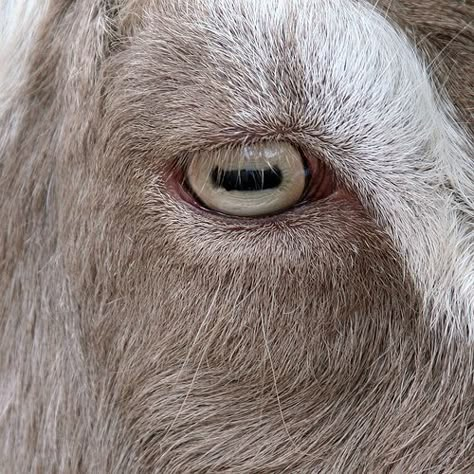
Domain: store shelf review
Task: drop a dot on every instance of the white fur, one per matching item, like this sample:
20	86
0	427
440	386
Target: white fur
19	20
393	120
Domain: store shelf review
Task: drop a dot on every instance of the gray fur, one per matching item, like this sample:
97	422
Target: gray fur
139	335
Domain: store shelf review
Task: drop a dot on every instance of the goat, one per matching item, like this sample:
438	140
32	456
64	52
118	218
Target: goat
237	236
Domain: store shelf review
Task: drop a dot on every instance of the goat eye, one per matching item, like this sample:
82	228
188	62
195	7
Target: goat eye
254	180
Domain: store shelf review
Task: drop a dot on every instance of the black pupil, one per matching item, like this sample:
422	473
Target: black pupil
247	180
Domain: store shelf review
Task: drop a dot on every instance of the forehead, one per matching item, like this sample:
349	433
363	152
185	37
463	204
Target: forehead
440	30
268	68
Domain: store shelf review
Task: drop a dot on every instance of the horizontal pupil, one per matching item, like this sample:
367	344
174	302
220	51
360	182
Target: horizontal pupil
247	180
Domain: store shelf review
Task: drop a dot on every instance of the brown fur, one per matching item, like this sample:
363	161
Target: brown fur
138	335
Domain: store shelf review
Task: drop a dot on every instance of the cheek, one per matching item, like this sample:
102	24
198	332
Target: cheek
176	281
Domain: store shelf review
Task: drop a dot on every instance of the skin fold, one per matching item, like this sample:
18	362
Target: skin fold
142	334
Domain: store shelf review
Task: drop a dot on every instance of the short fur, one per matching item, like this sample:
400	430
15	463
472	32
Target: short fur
140	335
